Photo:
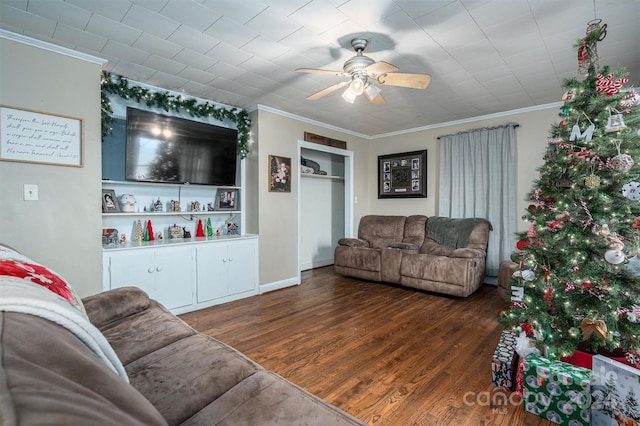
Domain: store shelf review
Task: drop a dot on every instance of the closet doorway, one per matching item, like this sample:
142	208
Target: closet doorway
325	202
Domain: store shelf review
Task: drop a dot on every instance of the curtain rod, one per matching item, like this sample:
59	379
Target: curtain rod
514	125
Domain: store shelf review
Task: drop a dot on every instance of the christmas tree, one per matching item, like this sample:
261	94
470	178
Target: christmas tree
579	278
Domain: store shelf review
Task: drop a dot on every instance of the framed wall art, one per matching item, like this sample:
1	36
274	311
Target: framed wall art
227	199
279	174
403	175
37	137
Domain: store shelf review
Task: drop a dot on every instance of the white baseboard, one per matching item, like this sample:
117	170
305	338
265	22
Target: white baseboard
316	264
289	282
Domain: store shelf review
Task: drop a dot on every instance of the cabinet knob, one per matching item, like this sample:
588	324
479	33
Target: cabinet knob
231	259
224	260
150	270
159	268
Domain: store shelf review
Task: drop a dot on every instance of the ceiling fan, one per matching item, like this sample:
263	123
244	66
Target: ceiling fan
363	72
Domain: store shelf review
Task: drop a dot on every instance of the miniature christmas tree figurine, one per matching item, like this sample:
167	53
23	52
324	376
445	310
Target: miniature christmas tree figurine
199	229
580	289
150	231
209	228
139	236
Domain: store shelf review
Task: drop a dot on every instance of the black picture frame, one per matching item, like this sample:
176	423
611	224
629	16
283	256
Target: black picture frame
403	175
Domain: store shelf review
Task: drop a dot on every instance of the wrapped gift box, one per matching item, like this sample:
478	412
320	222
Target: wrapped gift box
615	393
556	391
505	361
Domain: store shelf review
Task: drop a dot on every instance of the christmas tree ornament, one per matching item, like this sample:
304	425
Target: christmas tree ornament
589	327
525	274
139	232
608	86
615	122
587	47
587	135
592	181
564	181
621	162
631	191
569	96
614	256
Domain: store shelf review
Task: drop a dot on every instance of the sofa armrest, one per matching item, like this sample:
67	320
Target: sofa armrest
468	253
352	242
104	308
405	246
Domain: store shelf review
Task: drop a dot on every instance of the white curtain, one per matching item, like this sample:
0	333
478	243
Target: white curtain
478	179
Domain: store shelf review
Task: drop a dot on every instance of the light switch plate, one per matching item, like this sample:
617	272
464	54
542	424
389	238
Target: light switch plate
30	192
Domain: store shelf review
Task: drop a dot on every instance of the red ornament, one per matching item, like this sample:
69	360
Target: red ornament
522	244
548	293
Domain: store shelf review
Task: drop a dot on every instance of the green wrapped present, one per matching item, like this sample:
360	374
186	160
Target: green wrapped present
557	391
504	361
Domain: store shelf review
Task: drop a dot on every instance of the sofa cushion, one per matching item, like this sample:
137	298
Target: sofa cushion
104	308
48	376
137	335
381	231
415	230
352	242
267	399
185	376
358	258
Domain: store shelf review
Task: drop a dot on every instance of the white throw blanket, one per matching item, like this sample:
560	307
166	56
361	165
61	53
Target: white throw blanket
16	295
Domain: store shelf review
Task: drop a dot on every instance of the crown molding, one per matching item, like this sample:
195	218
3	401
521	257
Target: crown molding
19	38
403	132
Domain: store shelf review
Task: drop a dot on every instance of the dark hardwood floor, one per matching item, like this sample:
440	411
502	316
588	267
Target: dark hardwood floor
387	355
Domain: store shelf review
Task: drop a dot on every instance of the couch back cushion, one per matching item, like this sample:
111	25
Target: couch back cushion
381	231
50	377
454	233
415	230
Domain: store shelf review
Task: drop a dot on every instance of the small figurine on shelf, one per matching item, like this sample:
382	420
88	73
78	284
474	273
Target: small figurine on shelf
139	232
157	206
232	228
187	234
174	206
159	236
199	229
209	207
209	228
218	233
195	206
123	238
150	231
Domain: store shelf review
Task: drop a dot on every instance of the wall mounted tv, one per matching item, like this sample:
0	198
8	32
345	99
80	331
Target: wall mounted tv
165	149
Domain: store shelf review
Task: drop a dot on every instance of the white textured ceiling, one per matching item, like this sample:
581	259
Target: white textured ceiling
484	56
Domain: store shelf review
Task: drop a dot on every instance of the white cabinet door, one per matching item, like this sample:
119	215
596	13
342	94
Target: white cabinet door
241	266
165	274
174	276
132	268
211	272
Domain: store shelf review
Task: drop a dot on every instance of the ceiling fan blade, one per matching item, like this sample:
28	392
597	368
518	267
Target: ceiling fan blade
414	81
328	90
377	100
380	68
319	71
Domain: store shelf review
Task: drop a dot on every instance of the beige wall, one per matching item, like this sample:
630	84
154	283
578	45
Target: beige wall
61	229
278	212
532	142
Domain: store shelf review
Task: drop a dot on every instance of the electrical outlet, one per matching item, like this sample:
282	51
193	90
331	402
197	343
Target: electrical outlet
30	192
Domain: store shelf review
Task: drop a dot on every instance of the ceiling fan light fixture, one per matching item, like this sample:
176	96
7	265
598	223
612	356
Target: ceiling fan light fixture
371	91
349	96
357	85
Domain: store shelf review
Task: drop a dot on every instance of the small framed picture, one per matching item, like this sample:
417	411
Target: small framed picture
279	174
109	201
227	199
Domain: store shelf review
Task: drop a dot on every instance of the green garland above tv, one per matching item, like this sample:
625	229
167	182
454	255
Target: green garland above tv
116	85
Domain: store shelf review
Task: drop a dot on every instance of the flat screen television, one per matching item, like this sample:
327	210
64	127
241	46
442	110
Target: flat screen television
165	149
